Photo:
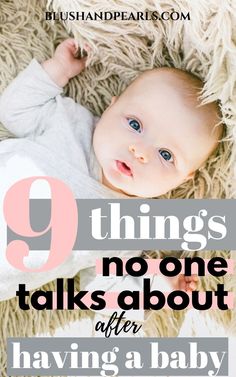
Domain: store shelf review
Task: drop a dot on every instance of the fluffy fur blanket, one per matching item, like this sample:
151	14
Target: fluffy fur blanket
119	51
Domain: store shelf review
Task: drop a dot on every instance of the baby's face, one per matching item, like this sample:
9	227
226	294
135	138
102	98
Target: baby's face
150	140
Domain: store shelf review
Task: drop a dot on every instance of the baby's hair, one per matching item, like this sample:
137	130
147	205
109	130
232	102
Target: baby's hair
191	89
195	90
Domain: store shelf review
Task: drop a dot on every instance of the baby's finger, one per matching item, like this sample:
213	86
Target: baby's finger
182	283
193	286
69	42
72	45
76	44
80	64
87	48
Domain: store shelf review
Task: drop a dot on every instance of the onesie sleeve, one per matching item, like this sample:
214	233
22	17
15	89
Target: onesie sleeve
27	100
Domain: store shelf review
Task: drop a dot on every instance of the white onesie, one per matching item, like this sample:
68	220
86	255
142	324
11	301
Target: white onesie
54	138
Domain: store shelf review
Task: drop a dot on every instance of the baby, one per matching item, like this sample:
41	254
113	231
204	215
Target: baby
155	135
150	139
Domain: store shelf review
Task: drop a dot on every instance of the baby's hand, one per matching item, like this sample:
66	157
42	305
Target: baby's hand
64	56
183	283
64	65
188	283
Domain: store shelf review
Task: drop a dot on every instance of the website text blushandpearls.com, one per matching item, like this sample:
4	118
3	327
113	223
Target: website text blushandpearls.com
117	16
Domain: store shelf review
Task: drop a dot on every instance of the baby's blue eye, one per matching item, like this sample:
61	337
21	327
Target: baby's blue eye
166	155
135	125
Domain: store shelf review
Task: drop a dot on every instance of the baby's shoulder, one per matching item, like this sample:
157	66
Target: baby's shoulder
75	109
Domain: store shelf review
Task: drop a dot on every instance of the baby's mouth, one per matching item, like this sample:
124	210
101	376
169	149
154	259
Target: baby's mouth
124	168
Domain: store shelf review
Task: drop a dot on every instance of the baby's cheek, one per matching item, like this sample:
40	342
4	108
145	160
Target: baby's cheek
160	183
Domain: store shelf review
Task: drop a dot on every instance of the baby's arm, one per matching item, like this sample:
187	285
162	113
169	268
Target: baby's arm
63	65
32	95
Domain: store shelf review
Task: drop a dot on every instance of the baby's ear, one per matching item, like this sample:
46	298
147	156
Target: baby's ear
113	100
190	176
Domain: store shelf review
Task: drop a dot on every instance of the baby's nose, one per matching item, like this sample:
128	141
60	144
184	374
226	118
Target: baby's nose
139	154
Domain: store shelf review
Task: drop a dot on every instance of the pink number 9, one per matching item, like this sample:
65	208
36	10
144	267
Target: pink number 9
63	223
